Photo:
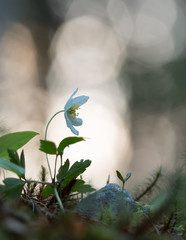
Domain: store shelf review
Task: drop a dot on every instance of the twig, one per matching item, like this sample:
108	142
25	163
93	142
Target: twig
150	186
39	182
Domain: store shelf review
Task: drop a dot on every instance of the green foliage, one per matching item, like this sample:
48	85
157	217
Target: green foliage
48	147
119	175
48	190
164	216
7	165
12	188
43	173
22	159
128	176
67	176
81	187
63	170
75	170
14	158
66	142
106	215
14	141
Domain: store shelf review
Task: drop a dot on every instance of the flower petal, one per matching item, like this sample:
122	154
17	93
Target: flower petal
69	124
77	122
74	130
75	103
79	100
68	103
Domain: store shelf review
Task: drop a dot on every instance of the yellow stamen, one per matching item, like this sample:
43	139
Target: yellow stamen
72	111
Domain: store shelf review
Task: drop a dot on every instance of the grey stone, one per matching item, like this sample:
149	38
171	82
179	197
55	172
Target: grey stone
109	200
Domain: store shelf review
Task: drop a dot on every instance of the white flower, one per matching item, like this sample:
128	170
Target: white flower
71	106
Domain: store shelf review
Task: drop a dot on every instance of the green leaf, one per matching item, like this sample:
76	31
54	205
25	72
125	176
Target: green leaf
12	181
20	171
12	188
81	187
48	147
14	141
66	142
85	188
47	191
128	176
120	176
76	169
22	159
63	170
13	156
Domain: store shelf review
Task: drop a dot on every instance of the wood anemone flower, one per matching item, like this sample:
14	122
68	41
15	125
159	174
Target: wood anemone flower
70	111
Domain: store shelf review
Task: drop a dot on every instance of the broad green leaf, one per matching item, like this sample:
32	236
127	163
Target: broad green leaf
20	171
63	170
47	191
85	188
12	188
128	176
14	141
81	187
76	169
66	142
120	176
48	147
12	181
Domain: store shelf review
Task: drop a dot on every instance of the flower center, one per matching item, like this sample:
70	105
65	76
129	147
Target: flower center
72	111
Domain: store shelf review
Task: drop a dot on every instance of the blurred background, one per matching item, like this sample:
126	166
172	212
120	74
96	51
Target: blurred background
128	56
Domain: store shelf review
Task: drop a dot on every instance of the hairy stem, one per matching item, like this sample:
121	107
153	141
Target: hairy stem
150	186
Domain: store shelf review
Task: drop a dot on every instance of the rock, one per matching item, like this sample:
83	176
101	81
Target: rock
109	201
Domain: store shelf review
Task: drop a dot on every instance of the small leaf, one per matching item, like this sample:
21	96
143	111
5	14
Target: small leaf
79	182
48	147
14	141
76	169
85	188
128	176
120	176
13	156
22	159
80	187
12	189
63	170
66	142
47	191
20	171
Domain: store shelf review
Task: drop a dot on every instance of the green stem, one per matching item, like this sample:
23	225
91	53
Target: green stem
40	182
46	131
123	186
61	159
59	200
55	169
